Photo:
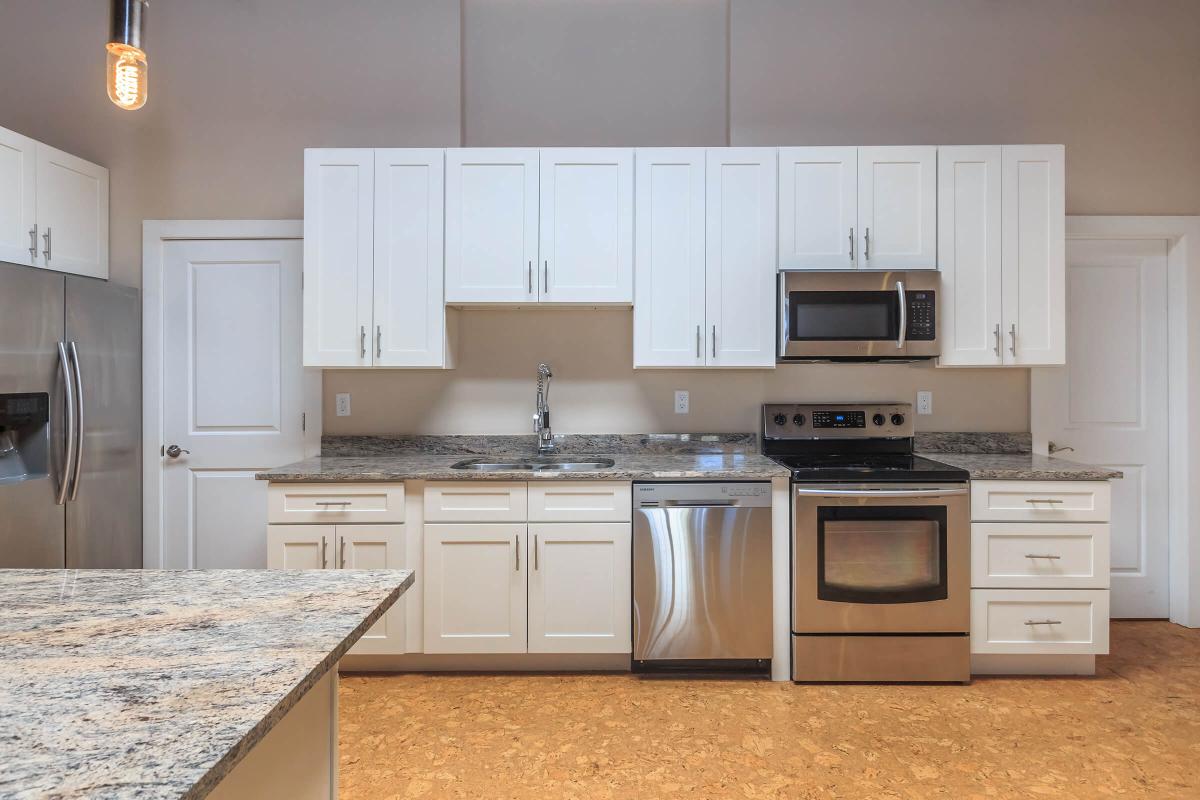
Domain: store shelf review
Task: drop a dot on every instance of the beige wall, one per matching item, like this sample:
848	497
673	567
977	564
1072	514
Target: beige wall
239	87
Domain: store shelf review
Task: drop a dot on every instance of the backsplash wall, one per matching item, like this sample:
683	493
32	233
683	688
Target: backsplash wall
596	390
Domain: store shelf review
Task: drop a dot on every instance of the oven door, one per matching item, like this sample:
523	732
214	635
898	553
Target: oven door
881	558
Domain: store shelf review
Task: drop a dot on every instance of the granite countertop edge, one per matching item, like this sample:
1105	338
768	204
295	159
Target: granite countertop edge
209	781
1023	467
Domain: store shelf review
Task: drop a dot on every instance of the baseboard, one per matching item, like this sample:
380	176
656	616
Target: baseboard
488	662
994	664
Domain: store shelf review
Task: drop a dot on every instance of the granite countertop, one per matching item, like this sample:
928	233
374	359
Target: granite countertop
155	684
1023	467
626	466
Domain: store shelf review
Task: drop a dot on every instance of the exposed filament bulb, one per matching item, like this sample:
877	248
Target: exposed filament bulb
127	76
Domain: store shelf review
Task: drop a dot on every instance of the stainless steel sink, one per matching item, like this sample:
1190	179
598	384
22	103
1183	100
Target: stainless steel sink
546	464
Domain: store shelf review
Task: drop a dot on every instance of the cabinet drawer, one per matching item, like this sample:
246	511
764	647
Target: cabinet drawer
475	501
335	502
1046	555
1039	621
580	501
1039	501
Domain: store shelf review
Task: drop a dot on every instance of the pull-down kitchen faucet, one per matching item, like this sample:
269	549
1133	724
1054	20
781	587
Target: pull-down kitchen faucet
541	415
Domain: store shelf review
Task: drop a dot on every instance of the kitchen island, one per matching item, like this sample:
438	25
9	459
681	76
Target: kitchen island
164	684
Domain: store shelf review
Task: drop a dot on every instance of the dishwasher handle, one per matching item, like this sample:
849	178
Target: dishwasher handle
689	504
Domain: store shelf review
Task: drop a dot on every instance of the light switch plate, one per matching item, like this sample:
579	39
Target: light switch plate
342	404
682	401
924	402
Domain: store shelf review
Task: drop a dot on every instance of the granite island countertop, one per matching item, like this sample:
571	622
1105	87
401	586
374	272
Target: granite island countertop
155	684
1023	467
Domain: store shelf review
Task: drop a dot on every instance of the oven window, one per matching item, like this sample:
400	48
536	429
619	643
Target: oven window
881	555
845	316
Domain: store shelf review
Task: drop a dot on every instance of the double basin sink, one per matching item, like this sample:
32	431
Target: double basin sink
537	464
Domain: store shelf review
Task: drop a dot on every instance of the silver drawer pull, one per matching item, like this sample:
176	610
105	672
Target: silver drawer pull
1037	555
1042	500
332	503
1043	622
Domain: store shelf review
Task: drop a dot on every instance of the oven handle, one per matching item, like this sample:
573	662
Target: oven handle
878	492
903	315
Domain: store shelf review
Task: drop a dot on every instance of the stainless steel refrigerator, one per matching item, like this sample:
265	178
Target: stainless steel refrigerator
70	418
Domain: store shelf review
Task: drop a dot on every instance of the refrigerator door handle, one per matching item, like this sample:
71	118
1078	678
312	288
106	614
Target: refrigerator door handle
68	440
78	421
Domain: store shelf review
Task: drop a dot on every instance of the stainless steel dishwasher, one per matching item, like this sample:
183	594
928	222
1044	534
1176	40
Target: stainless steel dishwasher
702	575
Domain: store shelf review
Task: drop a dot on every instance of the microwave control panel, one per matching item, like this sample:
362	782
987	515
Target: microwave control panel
922	306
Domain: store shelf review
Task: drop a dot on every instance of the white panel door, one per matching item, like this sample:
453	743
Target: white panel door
580	587
1034	254
969	256
376	547
409	310
338	257
740	265
475	577
586	225
668	309
72	213
1109	403
300	546
19	241
491	225
818	207
897	207
233	392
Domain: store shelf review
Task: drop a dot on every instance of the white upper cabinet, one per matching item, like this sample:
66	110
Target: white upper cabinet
409	311
338	257
818	207
969	255
586	223
668	309
897	207
491	225
1034	220
19	241
740	247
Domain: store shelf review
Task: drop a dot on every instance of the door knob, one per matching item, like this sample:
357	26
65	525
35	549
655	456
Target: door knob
1057	448
175	450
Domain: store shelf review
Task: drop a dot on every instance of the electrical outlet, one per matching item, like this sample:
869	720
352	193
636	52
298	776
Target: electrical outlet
342	404
924	402
681	401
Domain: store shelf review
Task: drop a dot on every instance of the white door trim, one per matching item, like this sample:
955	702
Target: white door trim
155	233
1183	367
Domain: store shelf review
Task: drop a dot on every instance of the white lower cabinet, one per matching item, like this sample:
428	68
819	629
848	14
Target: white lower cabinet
1039	621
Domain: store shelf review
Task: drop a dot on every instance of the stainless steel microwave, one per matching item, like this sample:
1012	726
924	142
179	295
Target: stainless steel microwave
858	316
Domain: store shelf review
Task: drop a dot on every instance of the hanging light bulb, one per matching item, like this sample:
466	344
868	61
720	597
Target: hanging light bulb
127	70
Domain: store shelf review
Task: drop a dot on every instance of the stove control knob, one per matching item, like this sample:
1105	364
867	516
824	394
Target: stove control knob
878	419
780	419
897	419
799	420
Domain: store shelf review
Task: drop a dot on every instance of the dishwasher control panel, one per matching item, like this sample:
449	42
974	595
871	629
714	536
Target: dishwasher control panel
700	495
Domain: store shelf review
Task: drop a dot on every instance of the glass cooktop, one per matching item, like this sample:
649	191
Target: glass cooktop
869	467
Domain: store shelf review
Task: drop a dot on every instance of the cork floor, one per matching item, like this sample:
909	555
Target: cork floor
1131	731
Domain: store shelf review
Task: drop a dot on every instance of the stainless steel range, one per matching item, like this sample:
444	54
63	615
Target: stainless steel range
880	546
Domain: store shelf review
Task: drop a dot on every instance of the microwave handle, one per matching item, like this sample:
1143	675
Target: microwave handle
903	315
784	322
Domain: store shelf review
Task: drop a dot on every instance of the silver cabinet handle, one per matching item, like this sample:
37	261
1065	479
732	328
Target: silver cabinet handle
332	503
46	239
33	243
530	277
1042	500
1039	555
535	551
378	341
324	558
546	276
852	245
517	551
79	420
697	341
72	422
1057	448
362	341
1043	622
1012	347
867	247
342	548
903	314
996	333
714	342
174	451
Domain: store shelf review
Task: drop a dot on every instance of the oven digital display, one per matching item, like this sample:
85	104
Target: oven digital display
839	419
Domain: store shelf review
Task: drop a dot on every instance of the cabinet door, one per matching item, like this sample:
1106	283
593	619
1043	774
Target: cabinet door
668	311
579	587
1034	255
969	255
376	547
19	241
475	588
740	269
72	210
338	257
818	206
586	225
409	310
300	546
897	207
491	225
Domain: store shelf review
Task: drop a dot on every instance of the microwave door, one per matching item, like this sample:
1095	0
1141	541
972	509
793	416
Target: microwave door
840	324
